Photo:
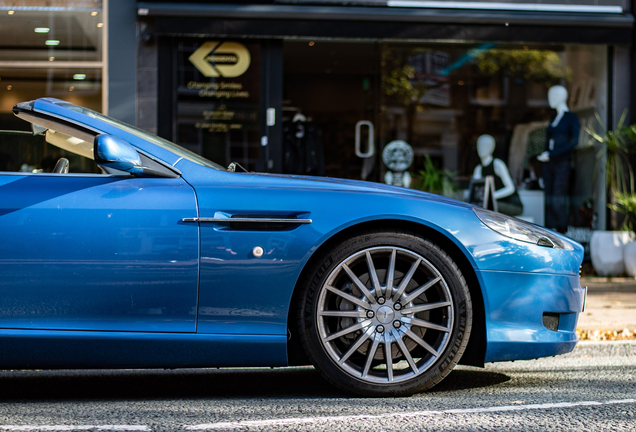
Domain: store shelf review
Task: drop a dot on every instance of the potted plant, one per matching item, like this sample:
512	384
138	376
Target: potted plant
626	204
607	247
436	180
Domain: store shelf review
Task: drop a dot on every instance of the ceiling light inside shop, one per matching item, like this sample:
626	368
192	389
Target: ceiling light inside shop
79	76
51	58
100	25
41	29
52	42
94	13
10	12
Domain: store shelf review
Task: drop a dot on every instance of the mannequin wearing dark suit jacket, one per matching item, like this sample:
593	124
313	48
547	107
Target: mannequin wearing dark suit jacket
561	137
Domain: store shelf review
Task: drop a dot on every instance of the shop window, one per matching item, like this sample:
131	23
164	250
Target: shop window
70	32
217	99
330	106
47	52
440	98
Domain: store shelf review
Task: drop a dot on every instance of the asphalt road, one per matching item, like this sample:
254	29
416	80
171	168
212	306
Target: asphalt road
592	388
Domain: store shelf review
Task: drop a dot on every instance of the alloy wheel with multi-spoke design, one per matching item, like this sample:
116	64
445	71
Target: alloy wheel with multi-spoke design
385	315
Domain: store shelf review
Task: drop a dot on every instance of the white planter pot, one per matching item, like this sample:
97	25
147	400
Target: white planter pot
606	249
629	258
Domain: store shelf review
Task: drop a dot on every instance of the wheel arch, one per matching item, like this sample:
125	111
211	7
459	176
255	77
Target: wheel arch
476	349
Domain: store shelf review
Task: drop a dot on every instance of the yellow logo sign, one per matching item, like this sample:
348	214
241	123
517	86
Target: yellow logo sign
221	59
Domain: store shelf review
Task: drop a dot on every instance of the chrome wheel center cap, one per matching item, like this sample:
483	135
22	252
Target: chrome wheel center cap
385	314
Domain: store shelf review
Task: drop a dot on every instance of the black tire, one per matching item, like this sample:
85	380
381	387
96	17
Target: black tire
344	314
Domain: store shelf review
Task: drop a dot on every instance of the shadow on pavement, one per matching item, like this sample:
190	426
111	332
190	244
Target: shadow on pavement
195	384
469	379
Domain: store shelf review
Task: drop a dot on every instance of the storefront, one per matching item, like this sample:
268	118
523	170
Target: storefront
49	49
321	88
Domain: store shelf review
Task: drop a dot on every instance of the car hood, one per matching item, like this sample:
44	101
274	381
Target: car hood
359	186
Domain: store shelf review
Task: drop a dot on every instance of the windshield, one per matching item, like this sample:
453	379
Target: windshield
170	146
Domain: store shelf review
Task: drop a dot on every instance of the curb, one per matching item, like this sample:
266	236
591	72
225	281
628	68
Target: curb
613	342
608	280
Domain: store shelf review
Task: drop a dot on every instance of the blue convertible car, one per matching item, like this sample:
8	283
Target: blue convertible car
157	258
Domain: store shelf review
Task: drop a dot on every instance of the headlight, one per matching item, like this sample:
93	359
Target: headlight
519	230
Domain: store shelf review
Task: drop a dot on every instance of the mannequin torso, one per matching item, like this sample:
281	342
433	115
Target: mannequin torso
562	134
504	186
496	168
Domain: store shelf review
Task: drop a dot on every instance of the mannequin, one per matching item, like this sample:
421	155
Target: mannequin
302	147
561	137
508	201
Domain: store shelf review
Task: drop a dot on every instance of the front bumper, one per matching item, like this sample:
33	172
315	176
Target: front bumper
516	303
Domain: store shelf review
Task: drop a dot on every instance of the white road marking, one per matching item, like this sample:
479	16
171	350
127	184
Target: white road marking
306	420
74	427
326	419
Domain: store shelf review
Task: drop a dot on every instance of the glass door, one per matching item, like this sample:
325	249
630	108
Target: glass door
330	109
217	112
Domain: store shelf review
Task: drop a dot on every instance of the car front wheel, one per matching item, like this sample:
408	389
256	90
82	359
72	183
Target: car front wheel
385	314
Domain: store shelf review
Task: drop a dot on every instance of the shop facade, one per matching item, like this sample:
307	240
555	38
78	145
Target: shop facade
229	81
322	87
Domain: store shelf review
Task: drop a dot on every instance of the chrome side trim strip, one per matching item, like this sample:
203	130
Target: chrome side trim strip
248	220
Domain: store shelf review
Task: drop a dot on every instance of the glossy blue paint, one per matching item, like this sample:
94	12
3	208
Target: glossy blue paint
267	283
97	252
36	349
515	303
351	202
112	256
114	152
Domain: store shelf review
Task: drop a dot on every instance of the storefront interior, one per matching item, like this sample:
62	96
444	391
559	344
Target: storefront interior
335	102
341	101
440	98
47	53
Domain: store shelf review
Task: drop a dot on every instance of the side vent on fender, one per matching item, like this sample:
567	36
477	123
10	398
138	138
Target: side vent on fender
250	222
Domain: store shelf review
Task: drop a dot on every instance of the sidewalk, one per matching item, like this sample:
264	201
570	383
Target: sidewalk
611	307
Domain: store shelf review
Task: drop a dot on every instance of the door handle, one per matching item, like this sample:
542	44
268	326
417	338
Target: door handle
370	145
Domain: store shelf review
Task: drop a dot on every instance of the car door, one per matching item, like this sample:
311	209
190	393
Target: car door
88	251
255	238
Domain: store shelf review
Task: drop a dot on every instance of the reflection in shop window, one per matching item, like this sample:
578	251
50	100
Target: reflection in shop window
440	98
47	52
217	90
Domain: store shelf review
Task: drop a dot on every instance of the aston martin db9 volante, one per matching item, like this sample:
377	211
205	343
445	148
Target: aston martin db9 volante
155	257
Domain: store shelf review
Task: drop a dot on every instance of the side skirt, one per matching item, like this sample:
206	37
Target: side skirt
44	349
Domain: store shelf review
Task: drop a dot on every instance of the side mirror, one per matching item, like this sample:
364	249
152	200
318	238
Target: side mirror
113	152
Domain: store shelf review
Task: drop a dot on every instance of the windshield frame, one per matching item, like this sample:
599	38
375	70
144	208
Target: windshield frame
178	150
